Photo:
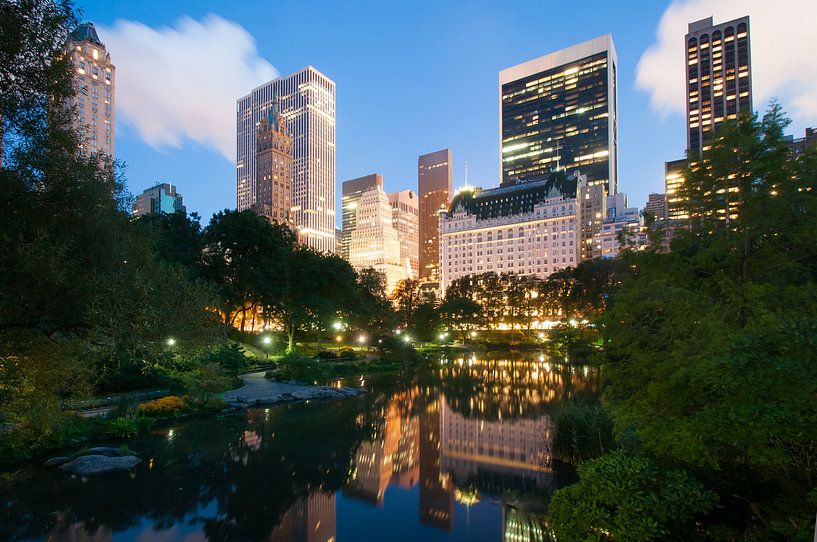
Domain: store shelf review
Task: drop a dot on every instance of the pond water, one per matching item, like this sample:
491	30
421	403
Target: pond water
459	452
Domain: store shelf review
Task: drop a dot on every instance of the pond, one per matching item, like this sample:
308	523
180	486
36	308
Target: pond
461	451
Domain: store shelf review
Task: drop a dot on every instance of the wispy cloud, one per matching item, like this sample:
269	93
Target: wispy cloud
180	84
784	62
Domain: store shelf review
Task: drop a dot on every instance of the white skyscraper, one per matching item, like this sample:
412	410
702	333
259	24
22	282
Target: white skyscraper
306	101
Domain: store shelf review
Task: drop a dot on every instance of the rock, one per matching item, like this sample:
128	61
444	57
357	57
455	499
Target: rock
104	450
57	461
100	464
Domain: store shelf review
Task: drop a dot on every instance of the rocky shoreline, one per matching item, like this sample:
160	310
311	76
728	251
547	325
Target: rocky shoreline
259	391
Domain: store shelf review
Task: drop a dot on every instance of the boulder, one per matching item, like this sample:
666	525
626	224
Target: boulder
57	461
104	450
100	464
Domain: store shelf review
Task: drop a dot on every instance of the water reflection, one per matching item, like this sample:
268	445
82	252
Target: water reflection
463	453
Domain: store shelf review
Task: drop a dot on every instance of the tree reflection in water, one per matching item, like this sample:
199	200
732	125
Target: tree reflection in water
475	432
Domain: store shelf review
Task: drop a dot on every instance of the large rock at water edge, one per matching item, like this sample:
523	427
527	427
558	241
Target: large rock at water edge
100	464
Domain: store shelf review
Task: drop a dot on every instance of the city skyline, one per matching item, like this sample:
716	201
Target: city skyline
466	124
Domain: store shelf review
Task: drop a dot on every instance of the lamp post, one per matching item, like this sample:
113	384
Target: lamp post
267	340
171	342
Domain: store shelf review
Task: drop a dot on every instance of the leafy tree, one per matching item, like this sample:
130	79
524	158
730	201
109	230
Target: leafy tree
461	314
710	349
374	311
629	498
177	238
407	298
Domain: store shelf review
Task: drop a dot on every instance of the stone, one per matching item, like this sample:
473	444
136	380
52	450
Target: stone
100	464
57	461
104	450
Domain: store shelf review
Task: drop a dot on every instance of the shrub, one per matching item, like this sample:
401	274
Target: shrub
347	353
171	405
582	432
125	428
326	354
629	498
232	358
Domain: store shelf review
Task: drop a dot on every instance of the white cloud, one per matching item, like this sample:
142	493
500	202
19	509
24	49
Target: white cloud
180	84
784	62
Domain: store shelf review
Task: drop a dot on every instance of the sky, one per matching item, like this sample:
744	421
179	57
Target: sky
413	77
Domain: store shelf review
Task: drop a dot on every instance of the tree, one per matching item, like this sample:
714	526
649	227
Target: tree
407	298
461	314
710	349
629	498
177	238
247	259
373	312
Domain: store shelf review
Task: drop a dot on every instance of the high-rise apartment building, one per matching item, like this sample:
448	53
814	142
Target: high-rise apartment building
619	218
434	186
306	102
559	111
657	205
161	198
375	242
94	101
406	220
719	79
351	191
273	169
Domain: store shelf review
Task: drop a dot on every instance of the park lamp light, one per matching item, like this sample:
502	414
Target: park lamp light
407	338
362	339
337	325
266	340
339	338
473	334
443	336
171	341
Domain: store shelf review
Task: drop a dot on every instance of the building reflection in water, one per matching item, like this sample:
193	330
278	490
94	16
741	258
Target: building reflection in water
491	434
64	531
308	520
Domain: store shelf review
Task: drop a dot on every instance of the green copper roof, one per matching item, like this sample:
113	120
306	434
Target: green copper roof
86	32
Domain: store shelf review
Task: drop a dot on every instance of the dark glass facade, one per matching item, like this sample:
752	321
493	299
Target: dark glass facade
561	117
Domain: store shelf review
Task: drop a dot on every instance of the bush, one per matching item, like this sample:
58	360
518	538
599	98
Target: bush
629	498
582	432
232	358
125	428
347	353
171	405
326	355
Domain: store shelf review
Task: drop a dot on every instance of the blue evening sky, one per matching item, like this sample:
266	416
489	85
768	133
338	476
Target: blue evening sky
412	77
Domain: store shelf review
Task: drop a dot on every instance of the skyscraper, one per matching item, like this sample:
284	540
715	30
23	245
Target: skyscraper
673	180
657	206
306	102
161	198
95	84
351	191
375	242
406	220
273	169
434	186
559	111
719	80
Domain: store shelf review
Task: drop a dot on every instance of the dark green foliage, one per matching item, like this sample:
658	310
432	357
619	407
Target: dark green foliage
710	350
629	499
582	431
126	428
232	358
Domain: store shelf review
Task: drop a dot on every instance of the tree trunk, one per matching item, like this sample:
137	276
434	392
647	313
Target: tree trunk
290	338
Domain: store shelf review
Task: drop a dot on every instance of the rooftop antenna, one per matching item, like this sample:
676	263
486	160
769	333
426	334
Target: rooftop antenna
466	173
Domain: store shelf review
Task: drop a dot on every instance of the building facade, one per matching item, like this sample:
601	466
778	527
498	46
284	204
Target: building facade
95	99
619	217
559	111
657	206
273	169
799	145
375	241
351	191
531	228
434	185
719	78
161	198
306	102
406	220
673	181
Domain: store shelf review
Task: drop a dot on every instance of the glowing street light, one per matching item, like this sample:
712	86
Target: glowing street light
362	339
473	334
407	339
266	340
337	325
443	336
171	341
339	338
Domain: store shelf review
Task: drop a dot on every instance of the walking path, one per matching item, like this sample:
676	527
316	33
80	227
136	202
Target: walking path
258	390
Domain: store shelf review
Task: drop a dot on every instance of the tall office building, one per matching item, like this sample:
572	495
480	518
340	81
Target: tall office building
306	102
93	103
673	179
719	80
273	169
161	198
559	110
375	241
434	186
351	191
406	220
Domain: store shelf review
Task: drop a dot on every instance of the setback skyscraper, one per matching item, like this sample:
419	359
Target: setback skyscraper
351	191
306	101
719	79
406	220
273	169
96	84
559	111
434	186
